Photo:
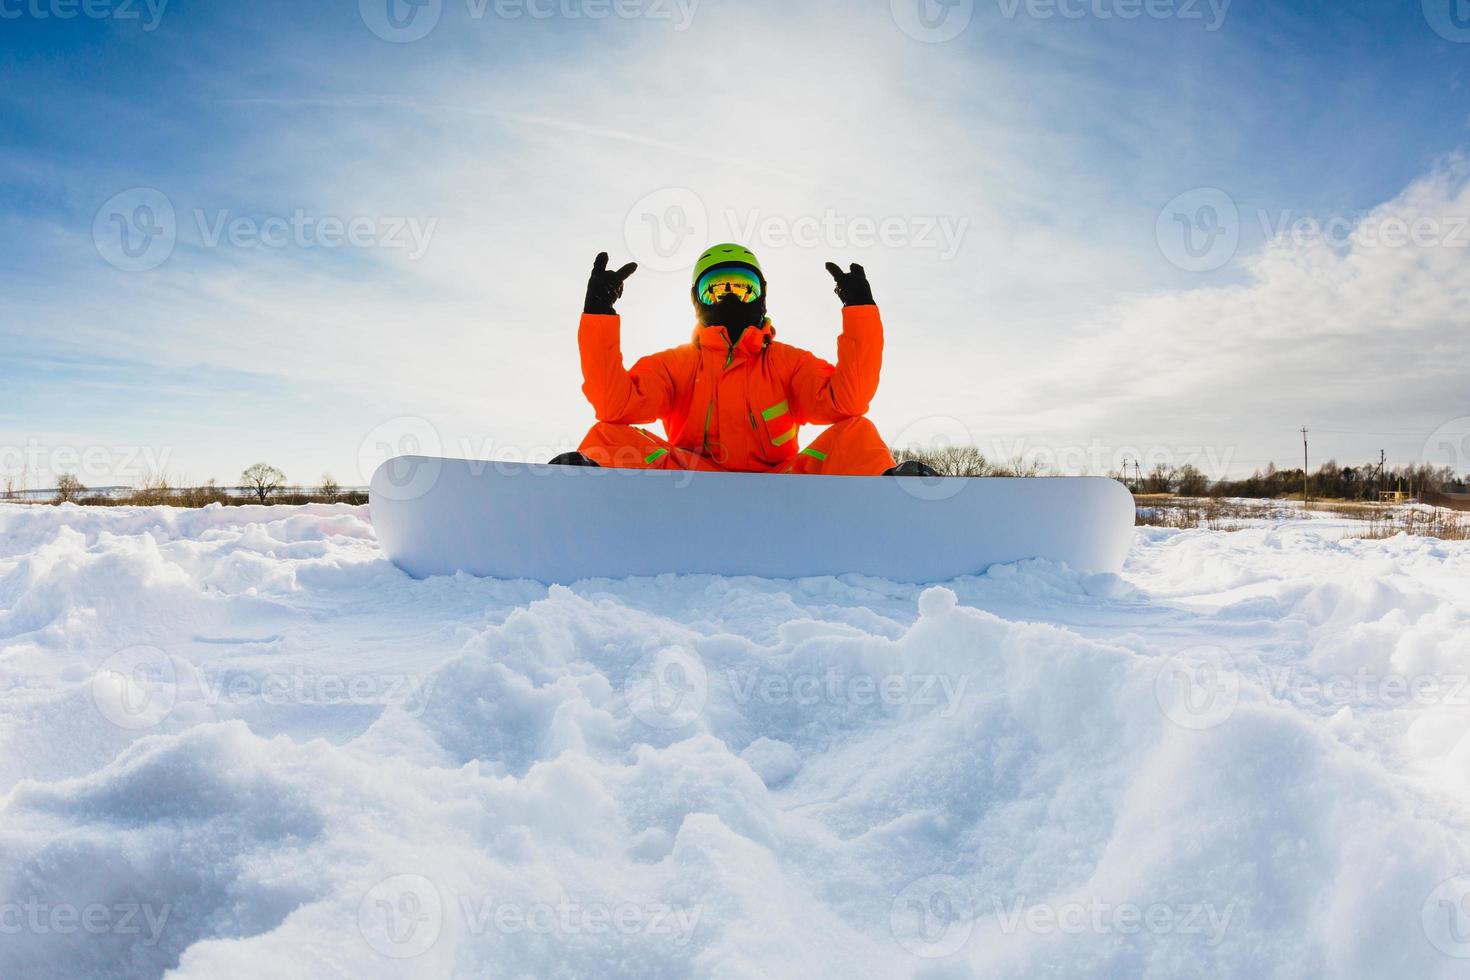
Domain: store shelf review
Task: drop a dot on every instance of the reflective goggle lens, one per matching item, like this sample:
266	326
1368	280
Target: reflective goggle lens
718	283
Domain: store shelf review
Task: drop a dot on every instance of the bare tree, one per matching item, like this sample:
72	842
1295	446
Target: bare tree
68	488
1021	466
262	479
1159	480
330	487
1192	482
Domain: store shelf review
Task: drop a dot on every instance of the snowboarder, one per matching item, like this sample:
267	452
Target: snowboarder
734	398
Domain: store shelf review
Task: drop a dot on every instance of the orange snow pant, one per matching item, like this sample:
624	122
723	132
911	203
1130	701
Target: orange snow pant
852	447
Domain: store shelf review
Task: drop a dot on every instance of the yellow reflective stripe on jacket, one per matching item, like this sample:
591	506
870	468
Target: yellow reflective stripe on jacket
776	411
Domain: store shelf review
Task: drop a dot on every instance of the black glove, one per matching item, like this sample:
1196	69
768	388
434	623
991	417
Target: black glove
605	288
852	287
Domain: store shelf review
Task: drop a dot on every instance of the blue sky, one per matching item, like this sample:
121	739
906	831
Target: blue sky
1057	319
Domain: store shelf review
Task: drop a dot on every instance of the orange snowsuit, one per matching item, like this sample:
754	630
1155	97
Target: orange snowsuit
735	409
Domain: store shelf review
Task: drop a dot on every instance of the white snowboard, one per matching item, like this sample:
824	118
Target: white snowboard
558	524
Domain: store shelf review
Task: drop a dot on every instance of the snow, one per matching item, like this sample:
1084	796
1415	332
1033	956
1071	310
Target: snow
237	742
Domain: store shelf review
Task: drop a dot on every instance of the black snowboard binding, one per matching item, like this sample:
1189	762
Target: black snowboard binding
573	459
912	467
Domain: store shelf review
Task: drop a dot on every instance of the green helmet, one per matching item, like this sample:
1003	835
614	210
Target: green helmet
726	255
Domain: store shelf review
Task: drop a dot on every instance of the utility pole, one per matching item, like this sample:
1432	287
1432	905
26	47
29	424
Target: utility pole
1382	459
1306	501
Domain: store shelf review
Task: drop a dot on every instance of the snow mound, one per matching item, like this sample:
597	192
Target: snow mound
239	742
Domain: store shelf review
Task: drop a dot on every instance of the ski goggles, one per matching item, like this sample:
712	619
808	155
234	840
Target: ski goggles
716	284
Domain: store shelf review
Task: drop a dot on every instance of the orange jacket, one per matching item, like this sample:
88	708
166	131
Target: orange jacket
741	407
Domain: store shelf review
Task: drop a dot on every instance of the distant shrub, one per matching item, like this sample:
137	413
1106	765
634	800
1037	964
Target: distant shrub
262	479
68	489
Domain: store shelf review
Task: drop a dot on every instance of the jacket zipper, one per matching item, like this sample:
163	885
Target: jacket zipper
710	411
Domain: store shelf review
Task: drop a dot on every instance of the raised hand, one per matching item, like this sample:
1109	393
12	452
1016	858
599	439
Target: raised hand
606	286
852	287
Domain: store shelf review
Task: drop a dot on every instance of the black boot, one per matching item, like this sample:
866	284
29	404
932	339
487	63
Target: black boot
573	459
912	467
